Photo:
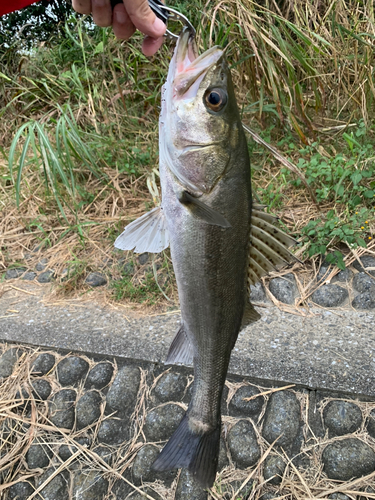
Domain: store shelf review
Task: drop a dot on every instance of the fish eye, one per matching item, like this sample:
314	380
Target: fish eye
215	99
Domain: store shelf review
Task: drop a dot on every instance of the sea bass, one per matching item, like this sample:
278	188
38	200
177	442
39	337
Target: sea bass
205	217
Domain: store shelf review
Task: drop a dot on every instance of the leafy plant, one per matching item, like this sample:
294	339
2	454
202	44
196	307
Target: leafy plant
323	233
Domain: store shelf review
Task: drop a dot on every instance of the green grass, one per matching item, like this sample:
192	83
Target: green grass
149	287
79	120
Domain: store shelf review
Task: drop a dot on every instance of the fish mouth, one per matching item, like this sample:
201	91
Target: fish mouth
190	69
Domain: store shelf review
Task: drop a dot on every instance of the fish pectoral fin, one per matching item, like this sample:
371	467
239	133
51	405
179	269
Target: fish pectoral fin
201	211
181	350
250	315
148	233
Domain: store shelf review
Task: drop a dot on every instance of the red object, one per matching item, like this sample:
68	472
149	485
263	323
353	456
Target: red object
7	6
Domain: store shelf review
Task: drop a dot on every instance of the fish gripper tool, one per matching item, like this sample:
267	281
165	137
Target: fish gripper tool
166	13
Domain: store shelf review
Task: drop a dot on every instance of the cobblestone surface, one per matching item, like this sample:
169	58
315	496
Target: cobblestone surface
92	422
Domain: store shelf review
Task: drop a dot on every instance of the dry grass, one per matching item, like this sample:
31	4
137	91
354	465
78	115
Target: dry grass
305	68
26	420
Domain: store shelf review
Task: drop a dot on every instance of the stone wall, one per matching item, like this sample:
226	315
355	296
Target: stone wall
75	427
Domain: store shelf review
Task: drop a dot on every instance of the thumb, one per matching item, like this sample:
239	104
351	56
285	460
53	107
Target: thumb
144	19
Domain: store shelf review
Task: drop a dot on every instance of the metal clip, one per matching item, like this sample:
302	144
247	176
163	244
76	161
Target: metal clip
170	14
165	14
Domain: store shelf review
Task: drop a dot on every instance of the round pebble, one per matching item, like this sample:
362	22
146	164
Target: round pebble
38	456
274	467
99	376
142	467
161	422
257	293
70	370
284	289
343	276
41	389
143	258
41	265
238	407
170	387
96	279
20	491
365	301
113	431
89	485
367	261
342	417
8	361
122	394
67	450
46	276
243	444
121	488
88	409
57	488
104	453
188	488
62	408
371	424
362	282
29	276
347	459
23	399
330	295
14	273
43	363
282	418
324	271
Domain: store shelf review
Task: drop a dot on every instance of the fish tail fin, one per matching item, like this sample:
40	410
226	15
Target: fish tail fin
198	452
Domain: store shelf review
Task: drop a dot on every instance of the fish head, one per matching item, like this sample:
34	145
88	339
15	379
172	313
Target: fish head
200	122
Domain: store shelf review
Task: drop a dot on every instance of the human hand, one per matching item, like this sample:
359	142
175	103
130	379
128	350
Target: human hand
125	18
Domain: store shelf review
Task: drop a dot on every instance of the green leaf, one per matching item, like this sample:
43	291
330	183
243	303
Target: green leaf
99	49
356	178
361	242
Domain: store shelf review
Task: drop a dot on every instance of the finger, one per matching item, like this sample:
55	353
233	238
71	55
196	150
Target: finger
151	45
102	12
121	23
82	6
144	19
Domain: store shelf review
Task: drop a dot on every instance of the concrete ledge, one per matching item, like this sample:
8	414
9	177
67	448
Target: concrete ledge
332	350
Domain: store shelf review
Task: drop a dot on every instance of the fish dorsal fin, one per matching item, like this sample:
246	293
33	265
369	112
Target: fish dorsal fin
148	233
181	350
268	246
250	315
201	211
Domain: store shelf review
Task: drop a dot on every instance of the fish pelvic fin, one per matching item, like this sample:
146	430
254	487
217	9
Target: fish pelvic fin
181	350
201	211
148	233
196	451
269	246
250	315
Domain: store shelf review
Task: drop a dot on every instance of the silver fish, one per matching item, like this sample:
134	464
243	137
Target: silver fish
205	217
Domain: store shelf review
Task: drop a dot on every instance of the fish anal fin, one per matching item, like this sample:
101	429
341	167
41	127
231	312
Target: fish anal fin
250	315
201	211
148	233
181	350
196	451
